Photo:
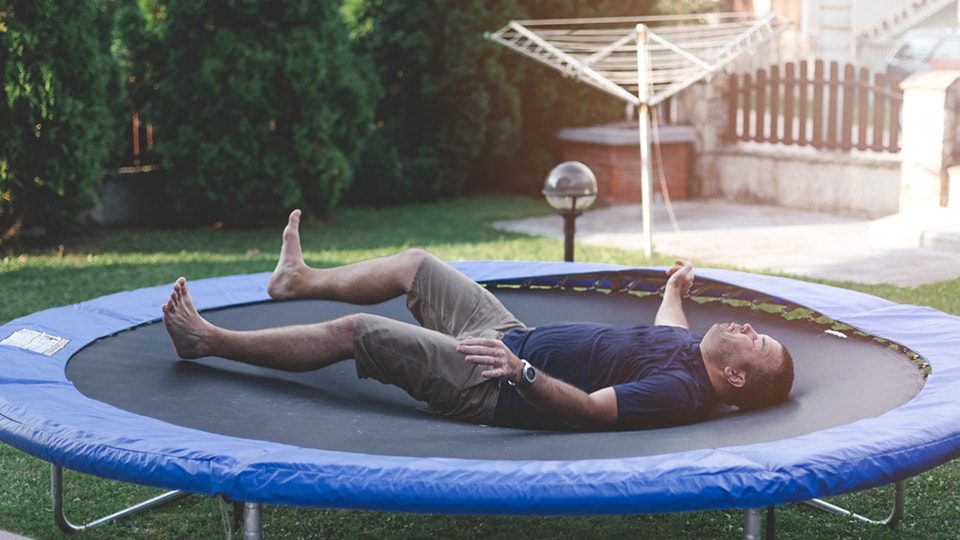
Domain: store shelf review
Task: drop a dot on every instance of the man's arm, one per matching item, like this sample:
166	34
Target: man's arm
678	284
552	396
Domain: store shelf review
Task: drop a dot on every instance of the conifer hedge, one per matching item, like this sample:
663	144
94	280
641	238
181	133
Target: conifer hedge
258	106
59	89
261	107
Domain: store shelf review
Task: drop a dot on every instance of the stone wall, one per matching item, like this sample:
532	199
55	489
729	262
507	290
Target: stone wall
837	183
862	184
132	197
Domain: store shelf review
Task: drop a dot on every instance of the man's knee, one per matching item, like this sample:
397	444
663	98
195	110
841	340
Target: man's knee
414	256
344	332
410	261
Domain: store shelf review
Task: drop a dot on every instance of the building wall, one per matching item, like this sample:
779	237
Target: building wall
613	154
617	169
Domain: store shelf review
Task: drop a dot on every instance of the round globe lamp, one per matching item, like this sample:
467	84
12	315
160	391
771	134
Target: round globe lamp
570	188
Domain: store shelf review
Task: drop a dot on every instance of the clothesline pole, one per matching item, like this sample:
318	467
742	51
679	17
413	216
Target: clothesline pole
643	93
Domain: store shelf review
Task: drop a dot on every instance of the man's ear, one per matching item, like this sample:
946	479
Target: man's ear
734	377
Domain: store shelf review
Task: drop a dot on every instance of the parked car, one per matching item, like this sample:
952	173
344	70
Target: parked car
924	49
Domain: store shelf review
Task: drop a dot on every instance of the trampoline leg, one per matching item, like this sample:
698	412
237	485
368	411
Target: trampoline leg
899	502
251	521
752	518
56	493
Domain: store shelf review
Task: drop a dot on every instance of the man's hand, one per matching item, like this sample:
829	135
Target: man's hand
552	396
680	277
679	282
493	353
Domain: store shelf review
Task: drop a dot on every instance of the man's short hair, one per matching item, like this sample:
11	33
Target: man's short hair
766	386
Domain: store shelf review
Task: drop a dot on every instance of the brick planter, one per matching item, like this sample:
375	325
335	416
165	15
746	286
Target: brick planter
613	154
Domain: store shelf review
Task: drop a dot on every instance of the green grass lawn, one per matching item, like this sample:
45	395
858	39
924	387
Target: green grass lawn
99	262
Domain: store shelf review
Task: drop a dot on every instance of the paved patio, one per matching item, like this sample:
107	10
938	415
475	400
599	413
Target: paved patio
904	249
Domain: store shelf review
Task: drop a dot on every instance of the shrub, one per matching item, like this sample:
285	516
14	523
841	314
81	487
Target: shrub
448	109
262	106
60	86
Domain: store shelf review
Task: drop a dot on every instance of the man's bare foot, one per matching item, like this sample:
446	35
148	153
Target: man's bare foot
187	329
290	269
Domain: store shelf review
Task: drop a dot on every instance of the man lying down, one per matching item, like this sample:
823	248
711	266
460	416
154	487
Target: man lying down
471	359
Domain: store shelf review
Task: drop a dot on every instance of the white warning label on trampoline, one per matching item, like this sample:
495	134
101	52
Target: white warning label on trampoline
35	341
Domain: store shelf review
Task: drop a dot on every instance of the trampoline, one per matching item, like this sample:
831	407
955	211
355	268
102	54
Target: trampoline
96	387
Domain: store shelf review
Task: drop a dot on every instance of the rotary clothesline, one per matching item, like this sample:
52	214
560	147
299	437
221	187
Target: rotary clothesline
641	60
605	52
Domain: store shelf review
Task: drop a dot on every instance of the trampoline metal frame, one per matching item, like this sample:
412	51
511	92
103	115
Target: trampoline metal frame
59	514
253	522
896	514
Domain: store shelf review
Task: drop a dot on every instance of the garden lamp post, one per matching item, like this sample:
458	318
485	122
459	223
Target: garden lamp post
570	188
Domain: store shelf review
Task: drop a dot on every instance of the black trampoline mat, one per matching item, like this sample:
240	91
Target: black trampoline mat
838	381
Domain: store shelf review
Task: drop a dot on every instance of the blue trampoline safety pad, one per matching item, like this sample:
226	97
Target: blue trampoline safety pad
43	414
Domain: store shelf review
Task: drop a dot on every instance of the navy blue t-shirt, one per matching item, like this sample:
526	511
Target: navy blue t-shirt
657	372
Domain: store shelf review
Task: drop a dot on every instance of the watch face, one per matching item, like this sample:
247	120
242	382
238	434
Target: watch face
530	374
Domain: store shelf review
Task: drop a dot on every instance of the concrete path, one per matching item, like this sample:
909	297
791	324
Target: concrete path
904	249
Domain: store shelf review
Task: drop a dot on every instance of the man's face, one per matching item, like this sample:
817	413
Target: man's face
739	344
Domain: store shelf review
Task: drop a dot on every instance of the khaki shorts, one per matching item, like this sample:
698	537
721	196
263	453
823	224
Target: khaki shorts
423	360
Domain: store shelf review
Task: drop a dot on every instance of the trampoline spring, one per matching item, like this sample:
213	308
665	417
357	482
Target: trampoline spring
903	350
642	283
697	291
597	283
633	284
727	293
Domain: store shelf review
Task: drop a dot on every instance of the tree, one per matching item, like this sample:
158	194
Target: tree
138	50
262	106
59	82
550	101
448	109
462	114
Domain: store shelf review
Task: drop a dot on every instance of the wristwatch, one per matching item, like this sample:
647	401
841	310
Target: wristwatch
528	375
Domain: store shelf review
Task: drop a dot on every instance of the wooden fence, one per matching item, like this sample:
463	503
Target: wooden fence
801	107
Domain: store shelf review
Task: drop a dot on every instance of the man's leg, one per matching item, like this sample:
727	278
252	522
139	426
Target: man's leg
301	347
289	348
440	297
365	282
444	299
423	362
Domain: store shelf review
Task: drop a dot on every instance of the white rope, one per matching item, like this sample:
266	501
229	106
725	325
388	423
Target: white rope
225	519
664	190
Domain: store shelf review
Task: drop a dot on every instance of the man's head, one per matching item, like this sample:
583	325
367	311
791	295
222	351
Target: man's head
747	369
